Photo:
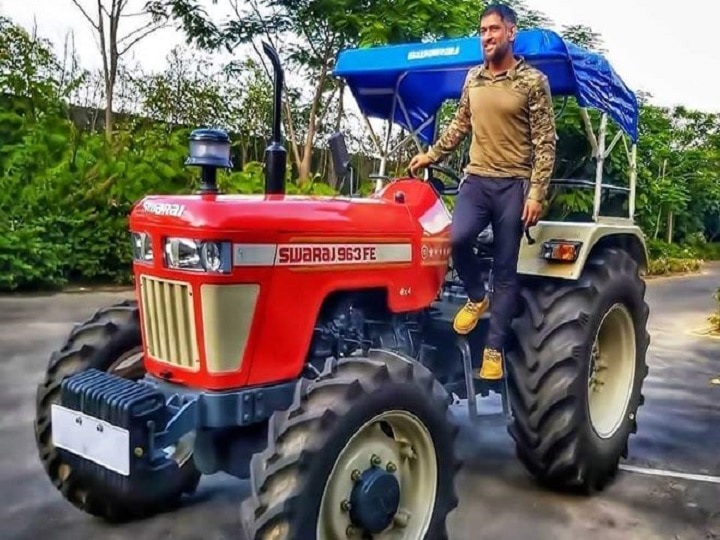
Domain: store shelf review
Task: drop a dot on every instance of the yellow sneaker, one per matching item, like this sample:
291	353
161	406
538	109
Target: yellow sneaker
467	318
492	365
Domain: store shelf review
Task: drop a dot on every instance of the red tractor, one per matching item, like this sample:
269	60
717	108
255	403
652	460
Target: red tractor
306	344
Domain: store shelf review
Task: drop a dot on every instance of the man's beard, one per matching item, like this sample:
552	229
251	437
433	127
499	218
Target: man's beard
499	52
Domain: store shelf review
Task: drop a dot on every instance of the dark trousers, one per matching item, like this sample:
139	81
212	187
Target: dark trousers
499	202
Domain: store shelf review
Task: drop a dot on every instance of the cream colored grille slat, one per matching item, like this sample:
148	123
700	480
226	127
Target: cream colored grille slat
228	312
162	323
169	318
184	348
150	318
169	298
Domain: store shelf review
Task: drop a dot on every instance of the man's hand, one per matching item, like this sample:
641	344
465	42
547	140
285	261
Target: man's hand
531	213
420	161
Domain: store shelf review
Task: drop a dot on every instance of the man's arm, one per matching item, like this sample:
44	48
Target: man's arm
542	134
457	130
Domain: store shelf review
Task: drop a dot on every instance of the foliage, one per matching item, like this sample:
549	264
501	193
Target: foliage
195	91
307	35
663	266
109	29
66	191
666	258
659	249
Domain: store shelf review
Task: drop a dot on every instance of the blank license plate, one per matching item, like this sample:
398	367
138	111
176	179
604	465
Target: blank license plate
92	439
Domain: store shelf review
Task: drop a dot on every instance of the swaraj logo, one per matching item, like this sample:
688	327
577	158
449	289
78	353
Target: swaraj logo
164	209
328	254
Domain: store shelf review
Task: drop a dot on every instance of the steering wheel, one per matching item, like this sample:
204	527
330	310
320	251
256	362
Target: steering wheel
443	188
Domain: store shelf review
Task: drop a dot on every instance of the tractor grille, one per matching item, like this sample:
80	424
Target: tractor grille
169	322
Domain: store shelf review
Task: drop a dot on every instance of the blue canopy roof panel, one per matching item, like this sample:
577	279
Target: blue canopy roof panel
419	77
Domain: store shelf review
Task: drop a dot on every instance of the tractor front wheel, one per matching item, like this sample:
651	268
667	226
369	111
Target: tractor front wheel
577	370
110	341
365	450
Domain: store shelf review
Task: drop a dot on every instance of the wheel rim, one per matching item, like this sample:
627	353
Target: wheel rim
131	365
393	449
612	371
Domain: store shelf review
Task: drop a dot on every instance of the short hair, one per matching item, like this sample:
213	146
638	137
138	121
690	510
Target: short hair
505	12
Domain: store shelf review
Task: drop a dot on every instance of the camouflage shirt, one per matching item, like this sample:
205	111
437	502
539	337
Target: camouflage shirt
512	122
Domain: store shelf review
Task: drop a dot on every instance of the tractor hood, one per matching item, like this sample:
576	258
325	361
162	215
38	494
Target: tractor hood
273	214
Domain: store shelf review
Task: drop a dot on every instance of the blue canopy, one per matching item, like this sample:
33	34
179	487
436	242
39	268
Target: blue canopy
408	83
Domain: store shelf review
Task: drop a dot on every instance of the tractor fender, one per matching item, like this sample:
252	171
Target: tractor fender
616	232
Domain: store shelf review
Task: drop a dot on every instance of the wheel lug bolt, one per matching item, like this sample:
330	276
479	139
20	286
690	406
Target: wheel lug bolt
391	467
350	531
355	475
375	460
345	506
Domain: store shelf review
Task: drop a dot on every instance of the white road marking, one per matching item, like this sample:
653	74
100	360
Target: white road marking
672	474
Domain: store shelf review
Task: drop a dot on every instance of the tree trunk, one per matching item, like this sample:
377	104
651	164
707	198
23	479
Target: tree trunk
110	42
109	115
657	224
306	162
106	72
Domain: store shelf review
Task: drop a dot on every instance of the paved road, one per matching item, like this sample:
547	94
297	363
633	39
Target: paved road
678	431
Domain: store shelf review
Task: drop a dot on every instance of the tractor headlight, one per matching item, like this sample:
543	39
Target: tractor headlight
198	255
141	247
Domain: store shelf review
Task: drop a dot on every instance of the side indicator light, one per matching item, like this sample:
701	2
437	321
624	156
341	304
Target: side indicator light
560	250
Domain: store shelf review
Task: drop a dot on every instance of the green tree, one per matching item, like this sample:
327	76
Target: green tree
584	36
108	24
309	33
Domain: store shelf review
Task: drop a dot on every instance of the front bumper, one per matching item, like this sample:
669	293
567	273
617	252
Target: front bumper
113	431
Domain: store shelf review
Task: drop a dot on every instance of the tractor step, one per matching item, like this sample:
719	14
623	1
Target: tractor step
478	386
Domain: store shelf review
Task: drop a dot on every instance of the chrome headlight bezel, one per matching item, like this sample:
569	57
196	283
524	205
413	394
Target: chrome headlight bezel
193	255
142	248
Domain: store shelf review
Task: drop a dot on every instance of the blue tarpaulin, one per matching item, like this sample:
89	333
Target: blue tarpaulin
408	83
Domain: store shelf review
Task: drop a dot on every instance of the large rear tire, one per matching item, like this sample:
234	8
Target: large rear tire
110	341
368	446
576	372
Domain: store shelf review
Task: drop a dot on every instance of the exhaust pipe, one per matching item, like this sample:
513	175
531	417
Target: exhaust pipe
275	153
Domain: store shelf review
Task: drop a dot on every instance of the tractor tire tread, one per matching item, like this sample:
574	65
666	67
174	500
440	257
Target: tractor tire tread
547	370
282	473
92	344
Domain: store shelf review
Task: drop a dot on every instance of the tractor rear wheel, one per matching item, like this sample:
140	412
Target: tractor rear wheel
367	448
110	341
576	372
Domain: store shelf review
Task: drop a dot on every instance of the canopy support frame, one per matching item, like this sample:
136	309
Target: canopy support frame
600	152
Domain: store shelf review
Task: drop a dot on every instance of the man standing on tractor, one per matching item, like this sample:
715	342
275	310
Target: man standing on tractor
507	106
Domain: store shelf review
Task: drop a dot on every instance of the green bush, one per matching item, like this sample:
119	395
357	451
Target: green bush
672	258
658	249
669	265
709	252
681	258
66	192
70	222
